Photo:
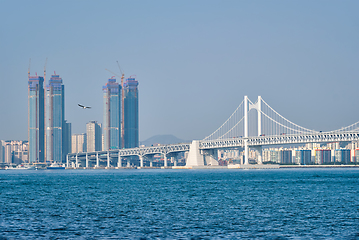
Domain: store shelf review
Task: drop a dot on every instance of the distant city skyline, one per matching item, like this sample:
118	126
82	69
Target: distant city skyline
195	60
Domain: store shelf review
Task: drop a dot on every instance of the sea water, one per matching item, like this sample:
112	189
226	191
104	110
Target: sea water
180	204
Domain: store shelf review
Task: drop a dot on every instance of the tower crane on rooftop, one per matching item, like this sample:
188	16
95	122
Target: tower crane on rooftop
28	71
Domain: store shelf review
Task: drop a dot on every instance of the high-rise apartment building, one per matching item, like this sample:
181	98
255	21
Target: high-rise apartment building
2	149
66	140
36	118
78	143
303	156
112	114
342	156
131	135
55	119
94	136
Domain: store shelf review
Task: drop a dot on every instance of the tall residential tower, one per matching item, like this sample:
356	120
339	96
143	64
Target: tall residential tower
55	119
36	118
94	136
131	136
112	115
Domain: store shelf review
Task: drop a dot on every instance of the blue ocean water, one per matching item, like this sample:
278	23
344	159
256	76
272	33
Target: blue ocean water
180	204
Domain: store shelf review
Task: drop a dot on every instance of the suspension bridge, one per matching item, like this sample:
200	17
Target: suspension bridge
251	126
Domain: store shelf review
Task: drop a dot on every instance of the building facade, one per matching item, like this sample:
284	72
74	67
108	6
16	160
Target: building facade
78	143
36	118
131	131
342	156
112	114
323	156
303	156
94	136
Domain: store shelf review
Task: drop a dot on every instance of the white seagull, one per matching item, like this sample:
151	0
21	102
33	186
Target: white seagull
84	107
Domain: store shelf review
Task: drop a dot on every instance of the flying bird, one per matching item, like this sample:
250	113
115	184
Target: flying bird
84	107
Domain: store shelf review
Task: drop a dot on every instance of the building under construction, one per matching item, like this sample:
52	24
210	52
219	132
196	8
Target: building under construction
120	120
112	114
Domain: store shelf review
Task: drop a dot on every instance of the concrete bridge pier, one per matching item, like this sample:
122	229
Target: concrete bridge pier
246	149
87	160
141	161
77	161
211	157
108	159
194	158
67	160
119	161
97	160
128	162
165	160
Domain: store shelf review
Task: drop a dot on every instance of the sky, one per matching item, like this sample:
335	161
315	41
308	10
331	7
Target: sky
194	60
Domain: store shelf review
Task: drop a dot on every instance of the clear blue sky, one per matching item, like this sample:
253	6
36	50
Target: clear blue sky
194	60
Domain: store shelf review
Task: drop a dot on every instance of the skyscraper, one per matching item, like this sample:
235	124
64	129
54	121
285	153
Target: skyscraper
55	119
36	118
131	113
94	136
112	114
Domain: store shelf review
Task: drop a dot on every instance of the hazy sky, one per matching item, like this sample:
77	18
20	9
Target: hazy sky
194	60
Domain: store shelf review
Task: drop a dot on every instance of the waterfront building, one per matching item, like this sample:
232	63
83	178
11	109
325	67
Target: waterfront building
7	152
36	118
66	140
274	156
323	156
112	114
285	156
94	136
131	131
55	119
14	152
342	156
2	143
78	143
303	156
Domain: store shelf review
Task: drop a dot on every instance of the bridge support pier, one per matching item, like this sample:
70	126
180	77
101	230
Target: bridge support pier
87	160
246	149
108	159
194	157
97	160
67	160
128	162
210	157
164	160
141	161
77	161
119	161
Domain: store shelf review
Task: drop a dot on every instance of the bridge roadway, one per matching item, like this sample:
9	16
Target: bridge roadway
198	148
280	139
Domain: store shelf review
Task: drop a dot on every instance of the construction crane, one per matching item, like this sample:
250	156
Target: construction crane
45	70
113	73
28	71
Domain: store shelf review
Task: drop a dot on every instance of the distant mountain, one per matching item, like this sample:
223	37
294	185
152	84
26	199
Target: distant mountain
162	139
